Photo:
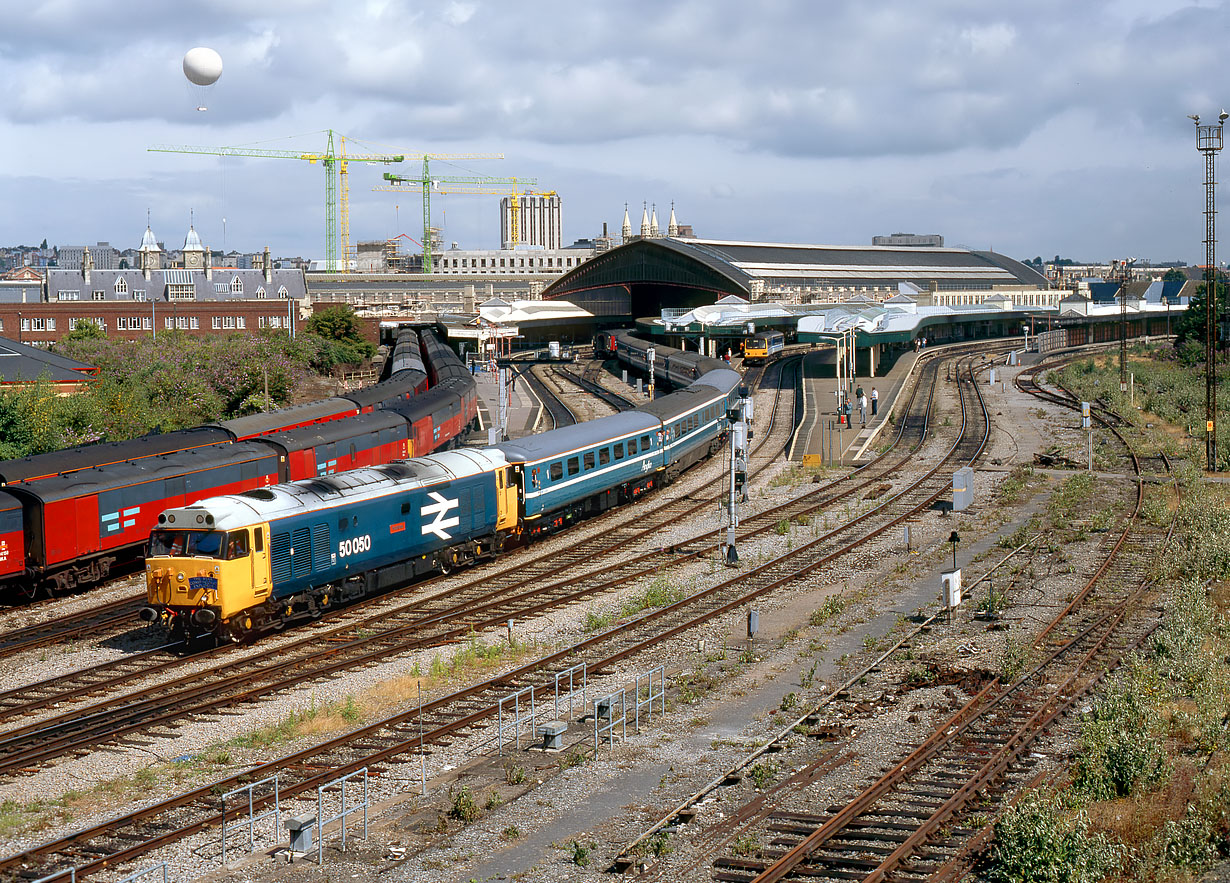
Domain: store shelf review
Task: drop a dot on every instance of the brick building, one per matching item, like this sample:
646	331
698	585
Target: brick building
197	298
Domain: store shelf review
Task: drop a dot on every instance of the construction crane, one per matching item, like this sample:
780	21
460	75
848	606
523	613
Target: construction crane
335	164
448	184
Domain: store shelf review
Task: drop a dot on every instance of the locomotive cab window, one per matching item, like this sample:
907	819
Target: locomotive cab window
188	543
259	536
237	545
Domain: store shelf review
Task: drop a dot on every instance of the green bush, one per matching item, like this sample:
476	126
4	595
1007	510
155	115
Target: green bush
1038	841
1121	747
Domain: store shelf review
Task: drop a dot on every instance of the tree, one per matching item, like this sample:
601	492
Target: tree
1189	326
337	328
86	329
1174	274
44	245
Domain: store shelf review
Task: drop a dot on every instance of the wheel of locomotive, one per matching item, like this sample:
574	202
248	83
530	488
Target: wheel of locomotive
444	564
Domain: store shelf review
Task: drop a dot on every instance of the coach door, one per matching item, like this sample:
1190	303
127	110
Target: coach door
506	492
260	562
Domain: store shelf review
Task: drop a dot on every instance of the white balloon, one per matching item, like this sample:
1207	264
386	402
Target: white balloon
202	66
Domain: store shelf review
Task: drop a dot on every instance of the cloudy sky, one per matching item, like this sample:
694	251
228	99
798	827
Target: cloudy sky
1034	128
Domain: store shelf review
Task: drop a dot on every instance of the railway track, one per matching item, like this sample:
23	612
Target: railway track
447	717
588	381
914	821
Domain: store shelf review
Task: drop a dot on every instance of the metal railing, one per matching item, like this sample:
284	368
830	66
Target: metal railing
322	820
516	719
253	817
570	675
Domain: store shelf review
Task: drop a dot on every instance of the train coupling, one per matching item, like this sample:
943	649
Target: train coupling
150	614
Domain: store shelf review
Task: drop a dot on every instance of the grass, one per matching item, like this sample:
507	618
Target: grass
831	608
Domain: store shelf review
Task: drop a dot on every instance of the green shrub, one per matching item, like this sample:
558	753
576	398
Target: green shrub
1121	747
465	807
1038	841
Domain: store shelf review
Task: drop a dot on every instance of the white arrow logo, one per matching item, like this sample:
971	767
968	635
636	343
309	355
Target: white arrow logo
438	508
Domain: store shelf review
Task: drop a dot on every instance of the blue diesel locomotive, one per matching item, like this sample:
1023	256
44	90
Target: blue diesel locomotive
240	564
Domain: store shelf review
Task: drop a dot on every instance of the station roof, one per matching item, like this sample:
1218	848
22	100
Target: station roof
645	275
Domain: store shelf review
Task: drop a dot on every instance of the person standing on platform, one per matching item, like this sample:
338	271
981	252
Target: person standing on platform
862	407
875	402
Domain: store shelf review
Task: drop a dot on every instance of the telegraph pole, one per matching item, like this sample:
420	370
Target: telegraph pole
1209	142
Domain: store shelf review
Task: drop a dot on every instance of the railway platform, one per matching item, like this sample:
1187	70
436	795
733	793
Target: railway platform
524	408
820	437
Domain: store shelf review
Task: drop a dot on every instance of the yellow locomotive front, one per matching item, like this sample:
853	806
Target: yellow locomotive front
200	579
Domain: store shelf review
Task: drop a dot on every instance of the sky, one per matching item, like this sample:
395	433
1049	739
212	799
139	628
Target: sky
1033	128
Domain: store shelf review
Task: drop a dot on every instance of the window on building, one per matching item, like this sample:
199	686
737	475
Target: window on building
241	322
260	293
194	323
147	323
217	323
263	322
228	322
181	291
181	322
68	295
282	292
98	294
168	323
139	294
121	285
236	285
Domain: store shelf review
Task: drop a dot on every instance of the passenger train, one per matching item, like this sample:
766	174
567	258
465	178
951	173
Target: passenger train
761	348
235	565
71	518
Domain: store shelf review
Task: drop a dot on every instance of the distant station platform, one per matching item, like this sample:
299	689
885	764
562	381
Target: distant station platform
822	436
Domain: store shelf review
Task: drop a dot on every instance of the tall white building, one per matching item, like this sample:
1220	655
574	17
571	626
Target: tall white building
538	221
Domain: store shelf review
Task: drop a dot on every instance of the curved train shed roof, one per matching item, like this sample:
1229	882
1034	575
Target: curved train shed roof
687	272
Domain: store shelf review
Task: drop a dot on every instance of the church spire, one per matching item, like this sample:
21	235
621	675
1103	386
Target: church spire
653	223
627	229
645	219
672	228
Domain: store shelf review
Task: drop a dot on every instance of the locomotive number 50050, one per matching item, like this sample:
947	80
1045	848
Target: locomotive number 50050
354	546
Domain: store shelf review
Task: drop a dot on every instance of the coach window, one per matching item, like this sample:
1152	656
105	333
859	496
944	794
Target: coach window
589	461
631	447
574	465
557	471
619	450
604	456
646	443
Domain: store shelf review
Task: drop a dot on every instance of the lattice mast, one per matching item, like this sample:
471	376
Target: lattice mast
1209	143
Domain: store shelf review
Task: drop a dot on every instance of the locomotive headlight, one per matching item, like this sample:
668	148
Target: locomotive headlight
217	569
180	576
